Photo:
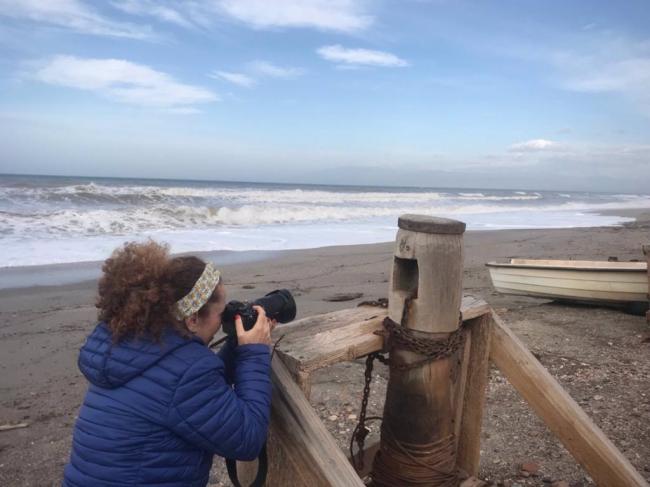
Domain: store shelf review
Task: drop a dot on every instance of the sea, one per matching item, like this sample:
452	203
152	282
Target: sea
54	219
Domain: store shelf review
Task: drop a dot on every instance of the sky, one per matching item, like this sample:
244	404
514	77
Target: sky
442	93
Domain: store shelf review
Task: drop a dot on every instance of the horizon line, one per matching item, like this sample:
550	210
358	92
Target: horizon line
314	184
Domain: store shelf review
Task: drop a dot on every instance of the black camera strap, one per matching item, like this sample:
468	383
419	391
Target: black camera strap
262	469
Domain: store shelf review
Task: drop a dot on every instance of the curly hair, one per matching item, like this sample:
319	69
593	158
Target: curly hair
140	286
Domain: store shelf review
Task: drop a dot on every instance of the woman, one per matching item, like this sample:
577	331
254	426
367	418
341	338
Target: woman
160	404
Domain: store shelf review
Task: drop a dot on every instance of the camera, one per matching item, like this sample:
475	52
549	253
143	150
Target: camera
279	305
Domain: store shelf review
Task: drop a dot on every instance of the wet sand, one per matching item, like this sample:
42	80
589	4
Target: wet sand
602	356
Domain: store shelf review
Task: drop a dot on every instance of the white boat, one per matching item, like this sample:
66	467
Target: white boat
574	280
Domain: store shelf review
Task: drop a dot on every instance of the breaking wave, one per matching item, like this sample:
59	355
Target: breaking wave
37	214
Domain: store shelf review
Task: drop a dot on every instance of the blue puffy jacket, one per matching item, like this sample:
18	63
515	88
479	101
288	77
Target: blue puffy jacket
156	413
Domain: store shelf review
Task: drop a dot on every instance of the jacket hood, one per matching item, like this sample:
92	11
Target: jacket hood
110	365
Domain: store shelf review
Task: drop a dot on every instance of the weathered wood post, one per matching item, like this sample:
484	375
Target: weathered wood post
301	452
417	438
646	251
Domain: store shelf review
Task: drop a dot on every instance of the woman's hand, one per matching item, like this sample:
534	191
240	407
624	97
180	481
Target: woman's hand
261	331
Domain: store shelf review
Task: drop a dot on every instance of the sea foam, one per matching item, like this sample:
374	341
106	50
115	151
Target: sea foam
50	220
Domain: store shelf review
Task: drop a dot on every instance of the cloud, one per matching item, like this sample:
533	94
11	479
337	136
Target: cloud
604	161
329	15
336	15
72	15
535	145
259	68
124	82
235	78
265	68
183	110
575	160
347	16
154	9
614	75
598	60
579	166
607	64
357	57
628	76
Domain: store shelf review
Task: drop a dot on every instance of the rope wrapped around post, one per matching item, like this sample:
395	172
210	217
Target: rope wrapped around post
414	465
402	463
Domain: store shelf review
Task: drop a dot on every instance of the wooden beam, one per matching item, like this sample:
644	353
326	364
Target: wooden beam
303	379
646	251
303	327
577	432
327	341
301	452
322	340
459	382
476	363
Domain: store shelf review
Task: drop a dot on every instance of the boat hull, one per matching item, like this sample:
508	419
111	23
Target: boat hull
615	283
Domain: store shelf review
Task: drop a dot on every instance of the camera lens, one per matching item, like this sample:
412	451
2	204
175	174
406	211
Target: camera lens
279	305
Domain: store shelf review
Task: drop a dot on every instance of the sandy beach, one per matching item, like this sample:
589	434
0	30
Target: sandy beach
600	355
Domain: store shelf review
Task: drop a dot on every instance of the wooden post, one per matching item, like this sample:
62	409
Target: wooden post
646	251
427	267
476	362
570	424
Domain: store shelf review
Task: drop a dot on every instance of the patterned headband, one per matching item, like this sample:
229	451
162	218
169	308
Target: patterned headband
200	293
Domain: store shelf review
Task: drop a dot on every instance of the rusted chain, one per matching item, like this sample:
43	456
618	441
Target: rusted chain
361	431
433	348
